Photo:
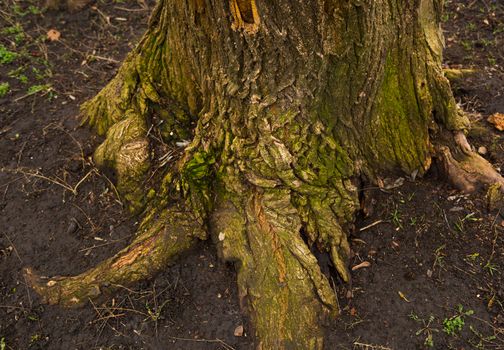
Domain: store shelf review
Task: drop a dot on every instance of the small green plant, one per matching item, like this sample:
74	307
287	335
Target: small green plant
6	56
472	257
34	10
155	313
3	345
396	218
467	45
16	31
471	26
492	268
482	339
460	224
4	89
38	88
35	338
454	324
427	330
439	257
18	73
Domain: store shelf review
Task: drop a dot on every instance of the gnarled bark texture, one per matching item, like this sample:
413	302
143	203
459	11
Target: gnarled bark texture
289	106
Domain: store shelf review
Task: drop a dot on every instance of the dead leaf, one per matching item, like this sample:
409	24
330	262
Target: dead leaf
353	311
53	35
361	265
403	297
238	332
497	120
390	184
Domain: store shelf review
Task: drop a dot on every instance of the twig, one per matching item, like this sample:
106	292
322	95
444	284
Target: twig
55	181
104	244
13	248
371	225
224	344
371	346
130	10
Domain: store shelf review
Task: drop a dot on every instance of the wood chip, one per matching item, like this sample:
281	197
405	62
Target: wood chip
403	297
238	332
361	265
497	120
53	35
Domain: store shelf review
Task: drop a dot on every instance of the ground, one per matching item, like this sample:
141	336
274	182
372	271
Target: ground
433	259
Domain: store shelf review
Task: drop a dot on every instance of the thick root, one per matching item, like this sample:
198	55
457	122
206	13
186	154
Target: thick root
467	170
157	245
126	151
109	106
287	295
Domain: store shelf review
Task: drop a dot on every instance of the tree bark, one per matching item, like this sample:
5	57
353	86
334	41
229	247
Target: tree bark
290	107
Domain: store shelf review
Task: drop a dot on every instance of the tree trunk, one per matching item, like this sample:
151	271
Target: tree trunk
291	106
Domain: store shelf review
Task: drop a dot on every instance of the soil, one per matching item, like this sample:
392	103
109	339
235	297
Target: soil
433	259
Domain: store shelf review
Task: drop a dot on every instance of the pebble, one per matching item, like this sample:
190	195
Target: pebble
482	150
72	226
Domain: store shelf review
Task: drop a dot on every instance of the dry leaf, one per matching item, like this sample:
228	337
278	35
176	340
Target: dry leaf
238	332
361	265
53	35
403	297
497	120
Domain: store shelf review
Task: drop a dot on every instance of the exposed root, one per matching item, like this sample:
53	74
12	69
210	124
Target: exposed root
157	244
126	151
466	169
110	105
287	295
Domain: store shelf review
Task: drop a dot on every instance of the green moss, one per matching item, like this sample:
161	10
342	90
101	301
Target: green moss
400	130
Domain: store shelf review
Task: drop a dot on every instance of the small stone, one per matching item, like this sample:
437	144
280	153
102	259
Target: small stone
482	150
222	235
238	332
361	265
429	273
72	226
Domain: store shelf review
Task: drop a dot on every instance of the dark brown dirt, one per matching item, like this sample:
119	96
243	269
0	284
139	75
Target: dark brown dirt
430	249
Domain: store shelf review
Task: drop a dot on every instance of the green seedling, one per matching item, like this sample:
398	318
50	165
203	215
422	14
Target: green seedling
396	218
455	324
18	73
439	257
155	313
472	257
460	224
427	330
6	56
4	89
16	31
482	339
38	88
467	45
492	268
